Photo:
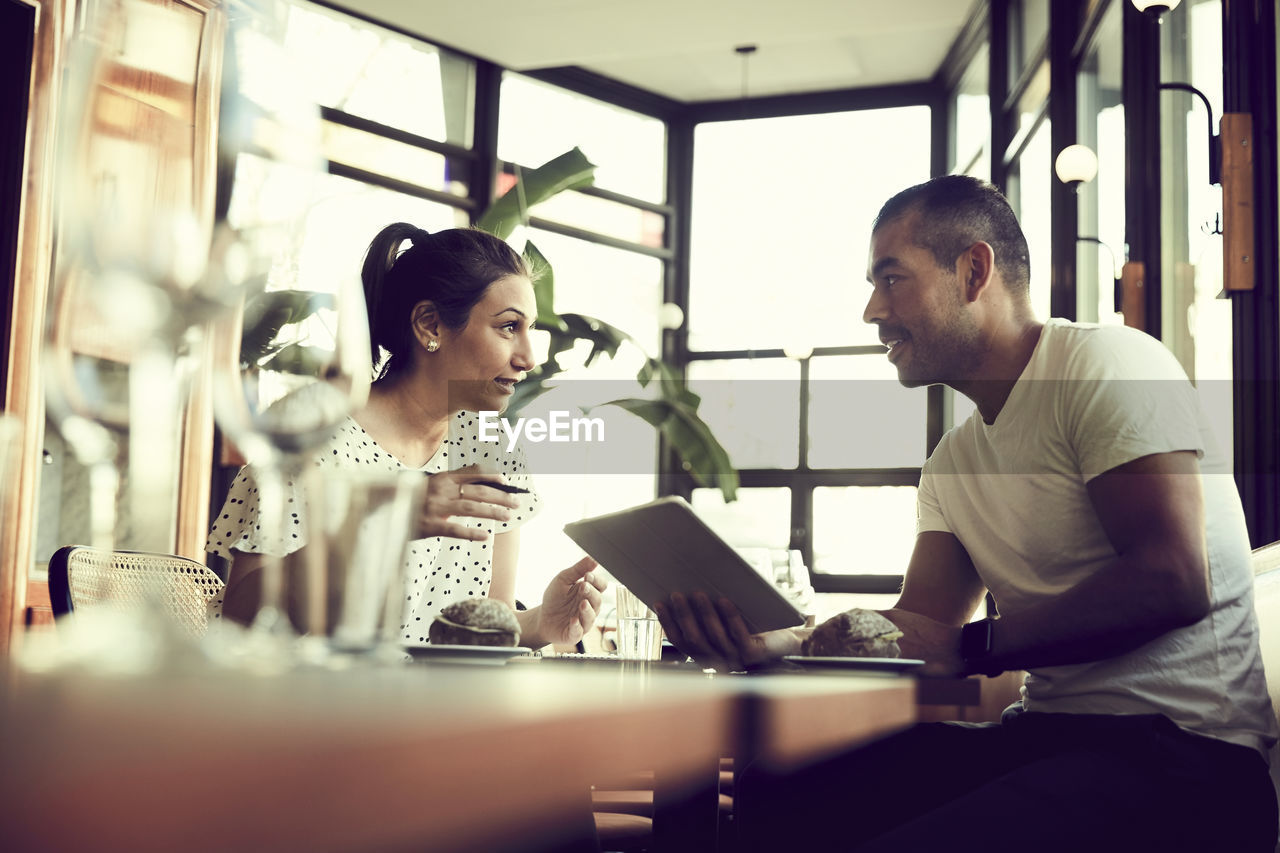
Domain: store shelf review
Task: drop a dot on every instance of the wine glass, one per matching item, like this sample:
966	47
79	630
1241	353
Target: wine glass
123	329
292	362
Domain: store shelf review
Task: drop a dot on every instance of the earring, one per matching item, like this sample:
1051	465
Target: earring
433	345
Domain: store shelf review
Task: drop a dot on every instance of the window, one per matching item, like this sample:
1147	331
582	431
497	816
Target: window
607	247
1101	210
792	380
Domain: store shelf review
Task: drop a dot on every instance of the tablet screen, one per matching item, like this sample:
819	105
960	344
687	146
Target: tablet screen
662	547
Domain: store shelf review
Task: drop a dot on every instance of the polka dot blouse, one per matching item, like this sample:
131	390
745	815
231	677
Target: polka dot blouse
439	571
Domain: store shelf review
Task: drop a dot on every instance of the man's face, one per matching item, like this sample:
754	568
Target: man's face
919	308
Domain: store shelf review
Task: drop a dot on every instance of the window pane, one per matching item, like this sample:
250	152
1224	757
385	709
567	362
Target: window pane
860	416
619	287
373	73
1102	200
538	121
1197	326
752	407
394	159
973	116
759	518
782	211
604	217
1029	194
863	530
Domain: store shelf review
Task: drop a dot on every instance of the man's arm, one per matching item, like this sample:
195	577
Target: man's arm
940	592
1152	510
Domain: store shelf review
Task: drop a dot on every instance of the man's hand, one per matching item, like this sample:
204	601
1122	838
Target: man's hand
717	636
935	643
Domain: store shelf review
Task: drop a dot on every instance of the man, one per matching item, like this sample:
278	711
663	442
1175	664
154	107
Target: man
1087	496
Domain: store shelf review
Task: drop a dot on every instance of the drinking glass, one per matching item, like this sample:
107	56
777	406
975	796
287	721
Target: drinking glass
359	527
639	633
292	361
128	297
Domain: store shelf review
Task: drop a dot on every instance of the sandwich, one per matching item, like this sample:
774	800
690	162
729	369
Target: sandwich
475	622
855	633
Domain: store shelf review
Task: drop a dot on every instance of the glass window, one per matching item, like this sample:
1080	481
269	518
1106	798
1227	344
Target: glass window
1101	208
603	216
1029	193
860	416
538	121
383	76
1028	30
972	110
759	518
392	158
863	530
619	287
782	210
752	407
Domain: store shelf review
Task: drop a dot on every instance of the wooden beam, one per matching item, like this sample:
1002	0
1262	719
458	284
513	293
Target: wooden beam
1238	257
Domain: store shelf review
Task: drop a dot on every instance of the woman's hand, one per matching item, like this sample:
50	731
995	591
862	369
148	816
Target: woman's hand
717	636
462	493
570	603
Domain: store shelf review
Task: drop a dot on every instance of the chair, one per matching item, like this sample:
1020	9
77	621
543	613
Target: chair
81	578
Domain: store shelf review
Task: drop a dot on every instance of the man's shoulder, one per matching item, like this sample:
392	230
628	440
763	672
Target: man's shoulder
1092	350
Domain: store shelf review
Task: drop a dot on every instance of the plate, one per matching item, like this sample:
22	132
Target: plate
490	655
856	664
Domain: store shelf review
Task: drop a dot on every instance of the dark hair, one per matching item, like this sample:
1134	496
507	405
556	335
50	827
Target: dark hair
452	269
957	211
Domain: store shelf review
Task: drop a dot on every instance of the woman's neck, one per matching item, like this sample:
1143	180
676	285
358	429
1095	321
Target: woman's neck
404	420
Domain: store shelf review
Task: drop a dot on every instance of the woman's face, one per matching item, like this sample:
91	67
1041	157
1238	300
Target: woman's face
483	362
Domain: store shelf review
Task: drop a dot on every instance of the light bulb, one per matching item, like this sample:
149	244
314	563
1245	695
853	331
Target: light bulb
670	316
1076	164
1158	7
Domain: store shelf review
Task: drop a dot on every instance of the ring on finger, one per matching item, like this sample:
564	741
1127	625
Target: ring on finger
461	493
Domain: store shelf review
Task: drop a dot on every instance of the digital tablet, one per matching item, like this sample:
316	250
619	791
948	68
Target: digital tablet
662	547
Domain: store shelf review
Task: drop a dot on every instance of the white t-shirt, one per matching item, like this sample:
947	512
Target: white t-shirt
439	571
1013	492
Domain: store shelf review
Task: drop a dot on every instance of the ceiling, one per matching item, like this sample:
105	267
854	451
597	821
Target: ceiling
684	49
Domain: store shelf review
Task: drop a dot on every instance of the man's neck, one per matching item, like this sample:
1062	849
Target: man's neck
1009	350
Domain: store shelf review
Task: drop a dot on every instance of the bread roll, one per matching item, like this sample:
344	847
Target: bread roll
475	622
855	633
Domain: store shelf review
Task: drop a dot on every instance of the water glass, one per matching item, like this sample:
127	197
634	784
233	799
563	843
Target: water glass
639	633
359	527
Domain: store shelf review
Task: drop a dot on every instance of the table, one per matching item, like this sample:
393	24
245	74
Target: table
388	759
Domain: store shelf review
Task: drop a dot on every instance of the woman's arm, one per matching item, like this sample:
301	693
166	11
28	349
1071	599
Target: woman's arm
569	603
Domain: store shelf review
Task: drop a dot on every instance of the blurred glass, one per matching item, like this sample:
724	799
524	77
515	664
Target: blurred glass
292	363
358	529
393	158
794	236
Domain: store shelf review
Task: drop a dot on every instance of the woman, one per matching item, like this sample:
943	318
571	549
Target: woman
453	314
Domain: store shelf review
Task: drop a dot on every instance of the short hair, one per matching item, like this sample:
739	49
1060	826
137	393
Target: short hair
957	211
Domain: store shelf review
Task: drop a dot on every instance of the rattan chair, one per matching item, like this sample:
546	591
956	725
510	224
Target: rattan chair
81	578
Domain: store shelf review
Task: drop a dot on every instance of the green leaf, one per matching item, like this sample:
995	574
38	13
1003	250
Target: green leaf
570	170
701	454
544	288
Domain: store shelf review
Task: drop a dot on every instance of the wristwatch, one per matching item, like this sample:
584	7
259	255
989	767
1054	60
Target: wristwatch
975	648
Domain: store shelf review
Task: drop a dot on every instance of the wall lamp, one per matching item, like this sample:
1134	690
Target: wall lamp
1156	8
1215	141
1076	165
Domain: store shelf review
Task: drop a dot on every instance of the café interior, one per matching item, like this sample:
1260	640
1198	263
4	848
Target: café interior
702	179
